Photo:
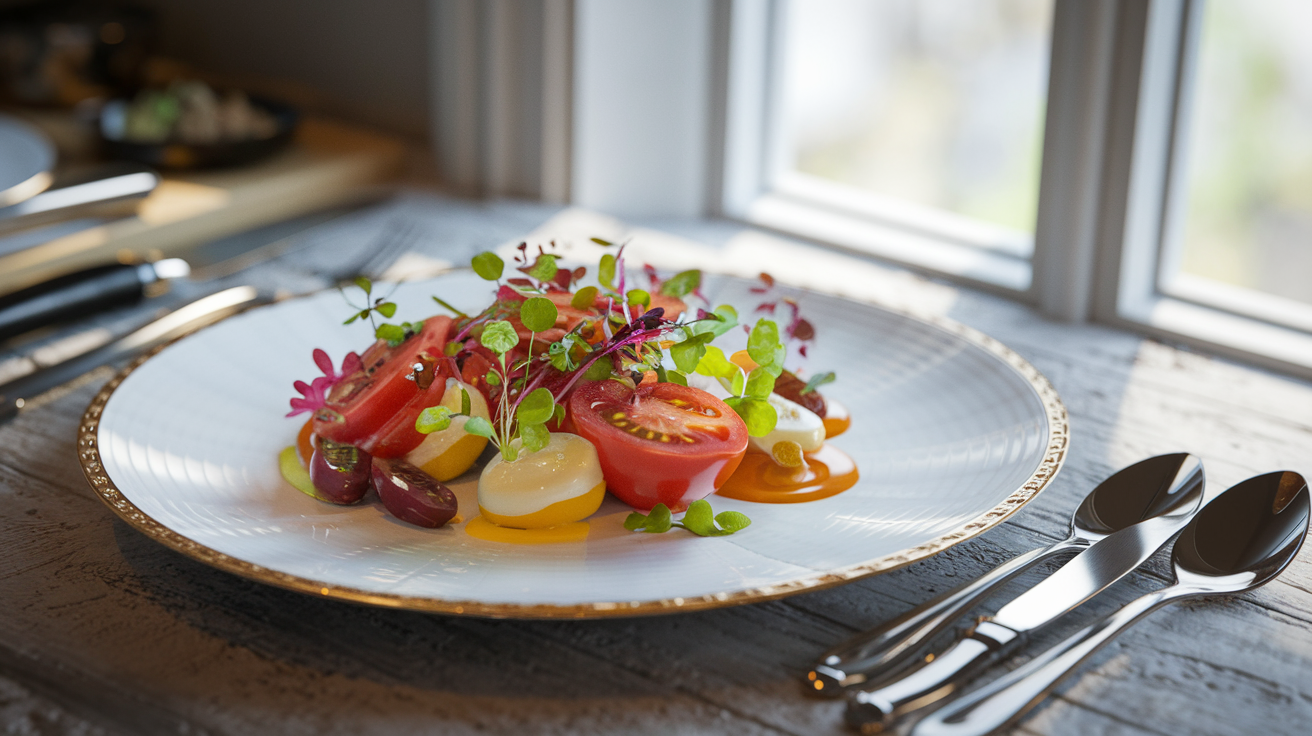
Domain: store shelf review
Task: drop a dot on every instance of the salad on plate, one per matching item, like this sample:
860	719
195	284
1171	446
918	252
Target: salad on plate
581	389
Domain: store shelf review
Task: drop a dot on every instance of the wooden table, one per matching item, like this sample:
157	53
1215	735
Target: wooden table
104	631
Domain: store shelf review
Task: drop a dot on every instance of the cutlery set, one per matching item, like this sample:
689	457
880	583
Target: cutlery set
1229	543
84	292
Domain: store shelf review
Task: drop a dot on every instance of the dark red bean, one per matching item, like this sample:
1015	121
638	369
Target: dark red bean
340	472
411	494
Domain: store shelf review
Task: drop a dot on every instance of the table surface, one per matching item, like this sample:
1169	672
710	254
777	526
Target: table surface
103	631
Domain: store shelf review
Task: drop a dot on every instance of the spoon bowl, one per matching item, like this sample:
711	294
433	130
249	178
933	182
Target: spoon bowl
1242	540
1169	486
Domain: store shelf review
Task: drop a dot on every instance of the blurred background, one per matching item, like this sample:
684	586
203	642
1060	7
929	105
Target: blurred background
931	110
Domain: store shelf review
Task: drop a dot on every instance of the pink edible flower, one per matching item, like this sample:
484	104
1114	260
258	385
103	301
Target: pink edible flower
315	394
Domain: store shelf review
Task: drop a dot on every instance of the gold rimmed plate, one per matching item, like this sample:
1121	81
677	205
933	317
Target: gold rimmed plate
952	432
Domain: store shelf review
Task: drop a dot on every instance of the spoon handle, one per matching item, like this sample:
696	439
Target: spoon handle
1007	698
878	653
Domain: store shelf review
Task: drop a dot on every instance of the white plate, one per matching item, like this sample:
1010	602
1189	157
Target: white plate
952	432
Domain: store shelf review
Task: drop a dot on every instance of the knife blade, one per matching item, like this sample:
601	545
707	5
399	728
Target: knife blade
1086	575
117	285
17	395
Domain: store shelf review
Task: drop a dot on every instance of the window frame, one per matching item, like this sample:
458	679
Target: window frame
1110	201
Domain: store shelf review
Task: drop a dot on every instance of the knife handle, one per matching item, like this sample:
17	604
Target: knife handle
1011	696
874	655
78	294
877	710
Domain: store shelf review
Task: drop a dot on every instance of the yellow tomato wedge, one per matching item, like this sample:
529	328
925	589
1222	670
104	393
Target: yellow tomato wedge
450	452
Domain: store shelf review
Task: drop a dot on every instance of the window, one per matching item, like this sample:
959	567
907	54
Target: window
1147	164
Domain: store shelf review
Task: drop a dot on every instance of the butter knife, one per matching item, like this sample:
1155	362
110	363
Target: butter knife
1089	573
17	395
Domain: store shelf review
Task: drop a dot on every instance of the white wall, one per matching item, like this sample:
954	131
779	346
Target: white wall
642	106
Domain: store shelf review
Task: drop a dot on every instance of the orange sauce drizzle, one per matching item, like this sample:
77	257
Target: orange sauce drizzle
828	472
480	528
837	420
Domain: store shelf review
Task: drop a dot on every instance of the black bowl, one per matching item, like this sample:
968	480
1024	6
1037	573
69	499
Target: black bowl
178	156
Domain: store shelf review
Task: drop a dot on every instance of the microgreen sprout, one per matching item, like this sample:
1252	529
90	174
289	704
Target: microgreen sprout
698	519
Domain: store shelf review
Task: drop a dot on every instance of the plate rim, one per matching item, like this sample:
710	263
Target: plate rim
1053	459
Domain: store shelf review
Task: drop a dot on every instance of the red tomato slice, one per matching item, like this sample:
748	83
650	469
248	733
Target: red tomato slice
659	443
374	403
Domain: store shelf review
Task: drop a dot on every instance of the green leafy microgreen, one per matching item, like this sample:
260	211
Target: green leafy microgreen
599	371
606	271
688	354
675	377
365	284
759	384
480	427
452	349
559	414
455	311
393	334
817	381
764	346
656	521
492	378
639	297
387	309
583	298
499	337
601	242
536	408
544	268
433	419
759	416
488	265
698	519
538	314
718	321
534	436
732	521
714	364
682	284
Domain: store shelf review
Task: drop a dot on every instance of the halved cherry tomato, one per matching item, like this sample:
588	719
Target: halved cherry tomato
371	408
659	443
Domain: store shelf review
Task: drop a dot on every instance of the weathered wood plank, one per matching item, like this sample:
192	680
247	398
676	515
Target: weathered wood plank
104	629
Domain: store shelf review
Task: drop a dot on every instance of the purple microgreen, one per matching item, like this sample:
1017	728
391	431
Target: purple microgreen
315	394
488	265
817	381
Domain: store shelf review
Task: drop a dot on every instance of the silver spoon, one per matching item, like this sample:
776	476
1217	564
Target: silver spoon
1150	488
1240	541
